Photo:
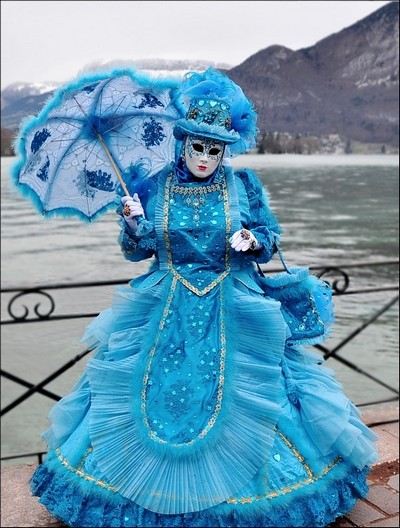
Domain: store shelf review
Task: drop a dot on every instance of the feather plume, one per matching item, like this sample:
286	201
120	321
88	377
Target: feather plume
212	84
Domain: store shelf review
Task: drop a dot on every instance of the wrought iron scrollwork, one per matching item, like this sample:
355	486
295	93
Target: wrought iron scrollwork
337	287
26	311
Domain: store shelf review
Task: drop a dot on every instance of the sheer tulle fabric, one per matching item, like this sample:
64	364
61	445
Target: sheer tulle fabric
212	469
319	395
241	429
103	413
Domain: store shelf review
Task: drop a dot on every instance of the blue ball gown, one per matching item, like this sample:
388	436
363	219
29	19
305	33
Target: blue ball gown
196	409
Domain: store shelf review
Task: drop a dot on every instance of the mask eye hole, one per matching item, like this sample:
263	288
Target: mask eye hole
214	151
197	147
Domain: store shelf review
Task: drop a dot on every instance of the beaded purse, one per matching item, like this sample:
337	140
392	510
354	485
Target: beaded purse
306	302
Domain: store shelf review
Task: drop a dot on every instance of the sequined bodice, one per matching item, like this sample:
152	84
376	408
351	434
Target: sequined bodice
196	230
184	378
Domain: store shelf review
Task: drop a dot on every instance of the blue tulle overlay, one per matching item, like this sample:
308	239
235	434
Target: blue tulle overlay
330	419
78	502
240	460
219	444
195	408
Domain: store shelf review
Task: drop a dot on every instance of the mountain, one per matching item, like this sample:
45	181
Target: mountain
158	67
345	84
6	141
19	100
14	112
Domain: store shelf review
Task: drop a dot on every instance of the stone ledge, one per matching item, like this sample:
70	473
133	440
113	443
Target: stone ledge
388	443
377	415
18	507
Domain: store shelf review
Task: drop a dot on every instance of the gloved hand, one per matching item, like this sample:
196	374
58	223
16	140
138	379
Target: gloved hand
244	240
132	208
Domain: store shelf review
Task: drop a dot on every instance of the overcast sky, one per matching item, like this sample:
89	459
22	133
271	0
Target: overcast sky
54	40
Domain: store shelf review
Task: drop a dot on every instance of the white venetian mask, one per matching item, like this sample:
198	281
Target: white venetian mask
203	155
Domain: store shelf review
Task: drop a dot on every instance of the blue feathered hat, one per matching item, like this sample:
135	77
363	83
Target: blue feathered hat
217	108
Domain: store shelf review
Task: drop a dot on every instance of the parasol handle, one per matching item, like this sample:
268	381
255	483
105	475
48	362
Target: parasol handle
114	165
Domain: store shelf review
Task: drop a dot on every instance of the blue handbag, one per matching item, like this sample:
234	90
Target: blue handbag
306	302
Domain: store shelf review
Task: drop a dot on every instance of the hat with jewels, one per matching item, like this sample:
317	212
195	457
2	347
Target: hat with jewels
217	108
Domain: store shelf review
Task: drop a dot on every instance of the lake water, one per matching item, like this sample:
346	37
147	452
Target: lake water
334	210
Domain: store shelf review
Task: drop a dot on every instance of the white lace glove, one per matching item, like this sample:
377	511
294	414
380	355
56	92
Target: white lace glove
244	240
132	208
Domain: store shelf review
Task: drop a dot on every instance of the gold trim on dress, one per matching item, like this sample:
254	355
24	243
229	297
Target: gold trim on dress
150	359
233	500
312	477
82	474
228	226
200	292
221	378
203	189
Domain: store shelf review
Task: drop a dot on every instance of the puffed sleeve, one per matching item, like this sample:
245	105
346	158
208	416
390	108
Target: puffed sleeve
257	216
140	244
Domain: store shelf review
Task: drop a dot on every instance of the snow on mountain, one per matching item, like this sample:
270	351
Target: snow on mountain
153	67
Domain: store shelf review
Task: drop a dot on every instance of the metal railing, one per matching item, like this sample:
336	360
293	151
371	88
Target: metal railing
337	276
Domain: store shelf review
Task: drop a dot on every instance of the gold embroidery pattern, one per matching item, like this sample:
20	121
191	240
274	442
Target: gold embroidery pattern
195	196
205	189
178	277
299	457
244	500
195	290
78	471
292	487
228	221
196	190
150	359
221	379
165	219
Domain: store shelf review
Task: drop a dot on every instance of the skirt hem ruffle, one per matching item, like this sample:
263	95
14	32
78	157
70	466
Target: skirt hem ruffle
77	502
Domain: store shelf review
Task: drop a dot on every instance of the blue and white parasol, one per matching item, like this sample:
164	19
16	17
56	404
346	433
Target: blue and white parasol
72	157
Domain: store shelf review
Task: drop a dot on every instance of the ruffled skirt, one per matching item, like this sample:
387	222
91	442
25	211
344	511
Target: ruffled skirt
194	411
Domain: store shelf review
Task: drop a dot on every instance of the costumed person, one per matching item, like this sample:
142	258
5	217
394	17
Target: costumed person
201	406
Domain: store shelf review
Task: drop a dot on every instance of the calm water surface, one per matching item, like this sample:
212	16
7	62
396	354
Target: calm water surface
334	210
